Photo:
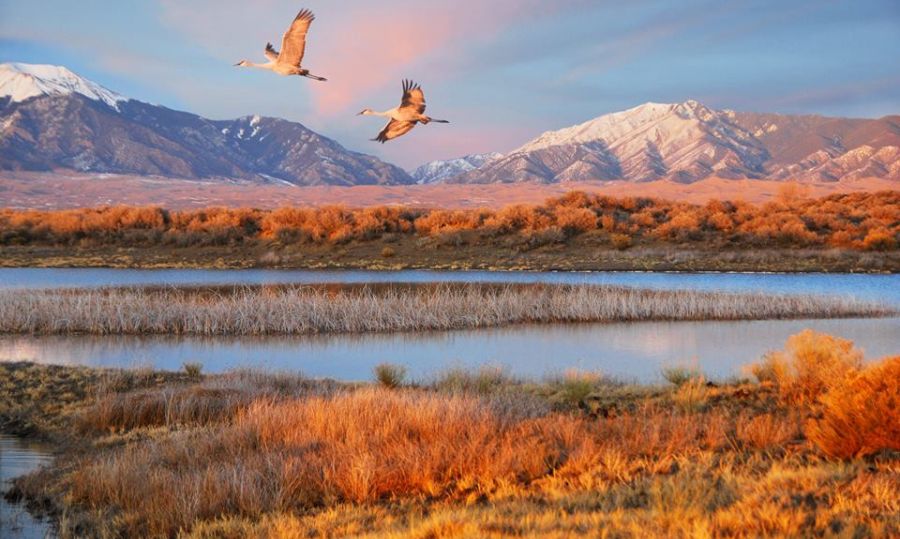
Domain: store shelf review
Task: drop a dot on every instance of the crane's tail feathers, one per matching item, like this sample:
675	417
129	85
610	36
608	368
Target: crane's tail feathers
314	77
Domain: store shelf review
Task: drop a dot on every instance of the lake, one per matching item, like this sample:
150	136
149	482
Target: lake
630	351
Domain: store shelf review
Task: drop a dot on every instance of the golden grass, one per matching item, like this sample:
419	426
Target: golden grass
767	430
480	454
371	308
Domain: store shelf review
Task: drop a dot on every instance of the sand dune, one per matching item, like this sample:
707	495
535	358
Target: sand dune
68	190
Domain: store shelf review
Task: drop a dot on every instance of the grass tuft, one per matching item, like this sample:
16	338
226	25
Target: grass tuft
390	375
679	375
193	369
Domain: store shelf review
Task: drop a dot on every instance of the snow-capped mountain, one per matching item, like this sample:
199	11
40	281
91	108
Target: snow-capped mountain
438	171
52	119
21	82
688	141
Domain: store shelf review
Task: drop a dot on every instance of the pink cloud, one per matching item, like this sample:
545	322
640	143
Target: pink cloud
362	47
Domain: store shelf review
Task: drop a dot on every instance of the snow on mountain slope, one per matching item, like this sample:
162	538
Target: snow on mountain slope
52	119
21	82
438	171
682	141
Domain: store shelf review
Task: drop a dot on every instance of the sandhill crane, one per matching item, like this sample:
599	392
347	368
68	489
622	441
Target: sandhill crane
403	118
293	45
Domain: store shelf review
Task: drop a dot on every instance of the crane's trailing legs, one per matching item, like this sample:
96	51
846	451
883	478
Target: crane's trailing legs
405	117
293	46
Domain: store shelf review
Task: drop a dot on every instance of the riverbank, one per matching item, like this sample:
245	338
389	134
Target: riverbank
577	231
319	309
410	253
251	454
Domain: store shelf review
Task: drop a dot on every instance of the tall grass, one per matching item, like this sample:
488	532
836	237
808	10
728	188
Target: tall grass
374	445
323	309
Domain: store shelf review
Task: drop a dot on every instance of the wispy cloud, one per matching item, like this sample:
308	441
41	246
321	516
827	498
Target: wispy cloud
360	47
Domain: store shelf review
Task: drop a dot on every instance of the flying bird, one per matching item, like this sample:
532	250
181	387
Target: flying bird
403	118
293	45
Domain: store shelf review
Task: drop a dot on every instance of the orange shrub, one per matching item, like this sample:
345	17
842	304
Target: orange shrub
860	416
683	226
519	218
879	239
443	221
859	221
811	364
620	241
575	220
842	238
721	221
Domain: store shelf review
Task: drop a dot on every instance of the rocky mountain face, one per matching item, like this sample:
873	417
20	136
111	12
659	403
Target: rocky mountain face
438	171
50	118
686	142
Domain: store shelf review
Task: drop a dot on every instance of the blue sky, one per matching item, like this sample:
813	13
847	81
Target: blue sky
502	71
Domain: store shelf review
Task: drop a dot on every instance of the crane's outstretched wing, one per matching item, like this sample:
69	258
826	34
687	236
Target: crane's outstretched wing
413	97
293	44
271	53
394	129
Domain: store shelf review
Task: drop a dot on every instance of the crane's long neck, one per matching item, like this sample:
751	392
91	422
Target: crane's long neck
386	114
267	65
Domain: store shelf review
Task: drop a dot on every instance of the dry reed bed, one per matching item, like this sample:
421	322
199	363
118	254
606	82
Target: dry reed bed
294	310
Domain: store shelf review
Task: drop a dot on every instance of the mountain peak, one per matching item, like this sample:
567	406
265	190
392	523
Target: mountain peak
21	82
614	126
439	171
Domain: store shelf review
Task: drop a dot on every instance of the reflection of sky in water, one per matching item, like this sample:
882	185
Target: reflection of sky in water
880	287
19	458
627	350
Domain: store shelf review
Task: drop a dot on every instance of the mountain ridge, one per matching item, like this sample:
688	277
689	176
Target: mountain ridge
74	124
440	170
51	118
688	141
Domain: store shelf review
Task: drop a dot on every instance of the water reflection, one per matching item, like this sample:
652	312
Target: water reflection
626	350
870	287
19	458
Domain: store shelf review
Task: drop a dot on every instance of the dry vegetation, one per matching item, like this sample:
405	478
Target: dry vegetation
849	224
478	454
381	308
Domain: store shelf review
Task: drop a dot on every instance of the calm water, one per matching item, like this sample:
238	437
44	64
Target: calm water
633	351
883	287
18	458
